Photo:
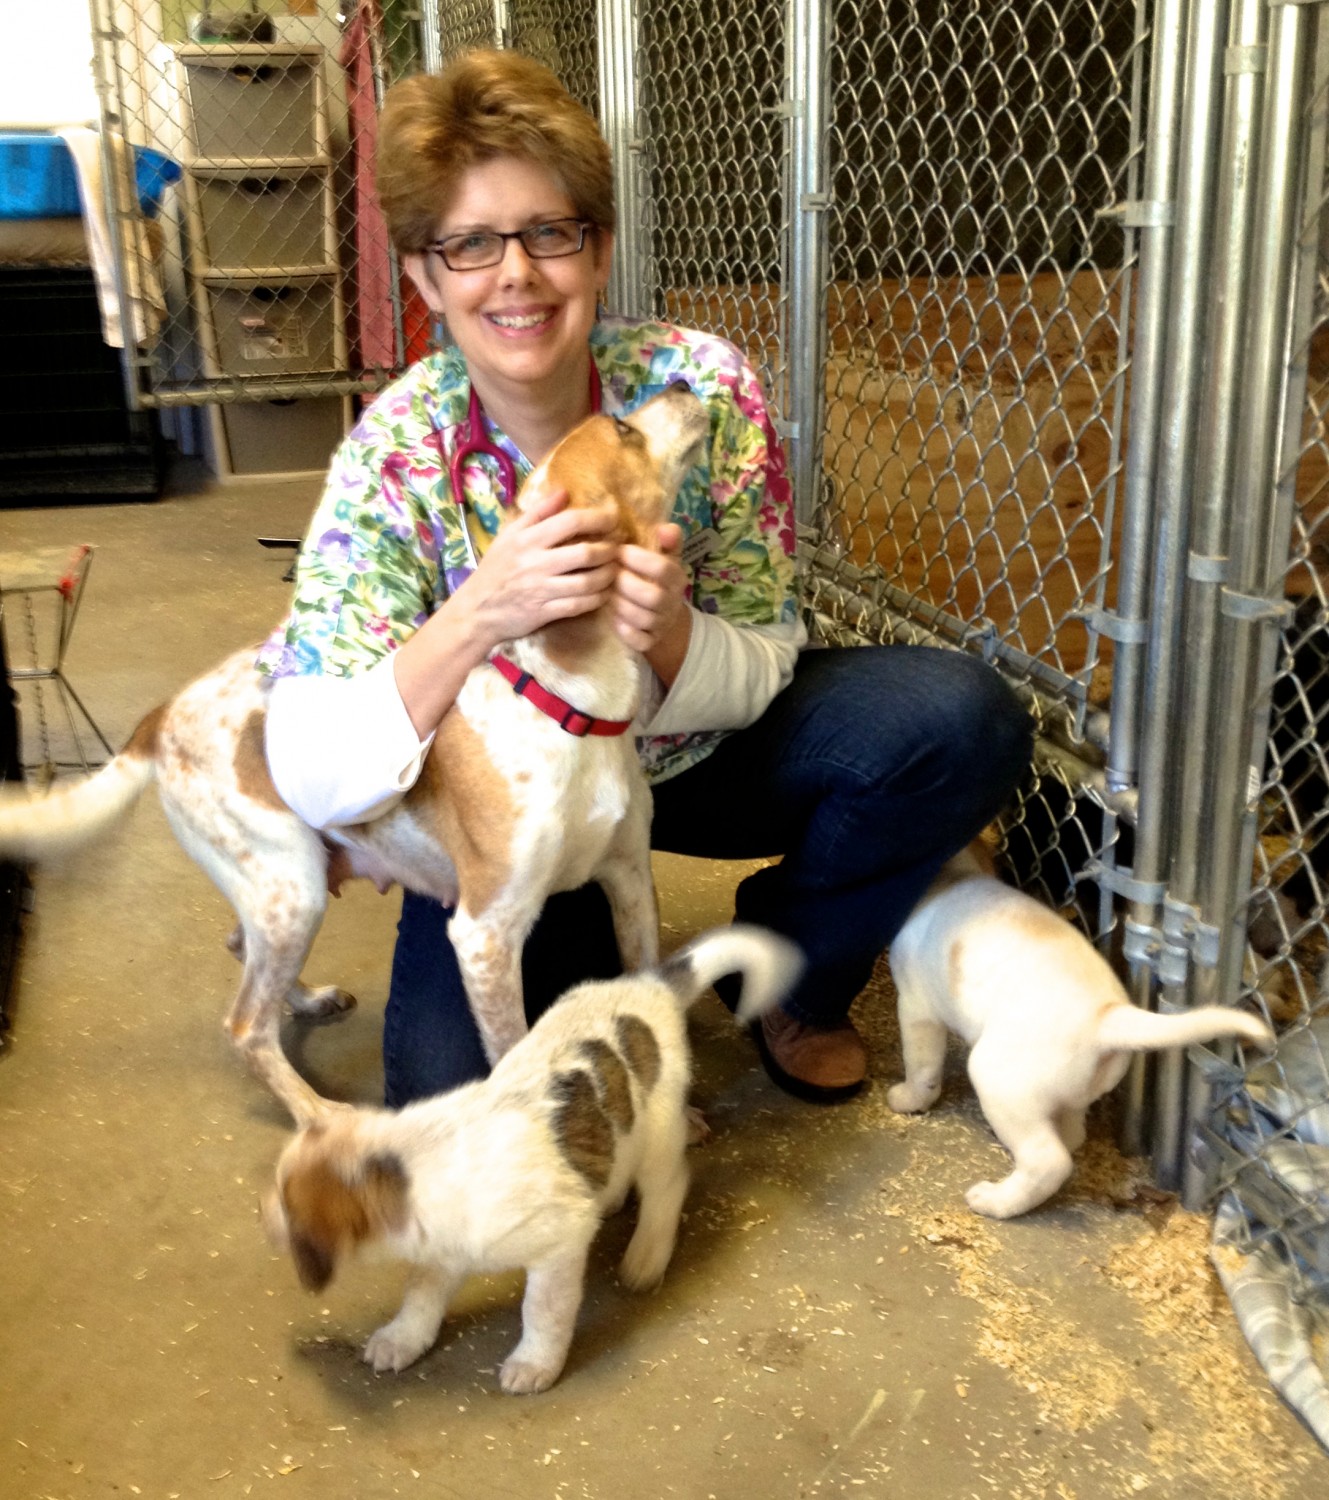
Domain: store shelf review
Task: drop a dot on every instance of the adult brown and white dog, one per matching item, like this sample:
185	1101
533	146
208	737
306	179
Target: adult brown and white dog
1049	1025
515	801
518	1170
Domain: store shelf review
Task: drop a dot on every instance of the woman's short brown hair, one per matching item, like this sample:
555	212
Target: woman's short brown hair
484	105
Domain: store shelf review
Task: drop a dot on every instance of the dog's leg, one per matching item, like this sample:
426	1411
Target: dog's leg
414	1330
1071	1128
326	1000
1042	1162
273	960
548	1317
923	1042
489	956
662	1184
627	881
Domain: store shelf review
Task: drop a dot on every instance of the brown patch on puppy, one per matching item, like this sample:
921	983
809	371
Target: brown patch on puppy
332	1207
143	742
639	1046
473	807
583	1131
251	764
612	1079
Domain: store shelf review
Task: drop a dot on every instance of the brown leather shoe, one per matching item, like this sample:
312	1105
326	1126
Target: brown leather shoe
820	1064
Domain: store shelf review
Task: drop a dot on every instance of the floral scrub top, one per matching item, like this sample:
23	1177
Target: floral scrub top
372	567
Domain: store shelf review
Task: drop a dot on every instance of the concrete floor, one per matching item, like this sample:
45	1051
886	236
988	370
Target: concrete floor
835	1322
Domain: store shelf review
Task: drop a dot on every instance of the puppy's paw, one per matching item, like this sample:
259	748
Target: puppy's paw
699	1132
995	1201
643	1265
524	1377
909	1099
393	1348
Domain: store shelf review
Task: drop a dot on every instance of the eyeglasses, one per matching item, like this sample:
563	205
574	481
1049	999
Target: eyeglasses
481	248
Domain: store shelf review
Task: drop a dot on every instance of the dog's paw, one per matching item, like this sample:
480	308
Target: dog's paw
908	1099
699	1132
322	1004
995	1201
524	1377
393	1348
644	1264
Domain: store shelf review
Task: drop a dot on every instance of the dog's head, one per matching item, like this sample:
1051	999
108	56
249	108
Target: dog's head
333	1194
632	465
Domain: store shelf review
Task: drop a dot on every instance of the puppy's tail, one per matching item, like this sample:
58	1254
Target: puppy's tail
37	828
1127	1028
769	965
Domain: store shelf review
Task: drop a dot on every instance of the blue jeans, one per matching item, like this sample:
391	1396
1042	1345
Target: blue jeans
872	767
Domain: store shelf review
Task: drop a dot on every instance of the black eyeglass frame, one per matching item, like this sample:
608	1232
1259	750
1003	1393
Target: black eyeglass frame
440	247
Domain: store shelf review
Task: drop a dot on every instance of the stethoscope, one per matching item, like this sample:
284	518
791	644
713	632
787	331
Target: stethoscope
473	442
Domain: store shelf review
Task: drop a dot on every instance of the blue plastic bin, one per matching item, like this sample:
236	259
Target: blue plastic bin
37	178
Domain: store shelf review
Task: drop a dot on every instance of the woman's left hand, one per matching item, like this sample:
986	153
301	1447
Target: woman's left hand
651	612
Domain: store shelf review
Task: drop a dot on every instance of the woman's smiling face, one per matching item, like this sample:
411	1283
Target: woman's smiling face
523	324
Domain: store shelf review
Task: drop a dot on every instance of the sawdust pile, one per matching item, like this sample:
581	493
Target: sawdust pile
1169	1271
1187	1349
1022	1332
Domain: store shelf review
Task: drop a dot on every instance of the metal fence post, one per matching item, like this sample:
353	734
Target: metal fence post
1191	919
108	41
806	201
1152	216
431	37
1244	638
1160	771
616	36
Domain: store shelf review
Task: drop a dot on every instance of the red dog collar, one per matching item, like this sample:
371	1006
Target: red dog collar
562	713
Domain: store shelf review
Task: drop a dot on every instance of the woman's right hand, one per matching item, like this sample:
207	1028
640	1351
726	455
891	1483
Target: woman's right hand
547	563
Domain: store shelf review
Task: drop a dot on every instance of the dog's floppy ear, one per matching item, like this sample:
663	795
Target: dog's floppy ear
336	1199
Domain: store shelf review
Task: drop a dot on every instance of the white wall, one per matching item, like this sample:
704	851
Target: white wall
46	64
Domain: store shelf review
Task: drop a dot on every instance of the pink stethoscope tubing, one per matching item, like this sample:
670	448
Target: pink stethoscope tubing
472	441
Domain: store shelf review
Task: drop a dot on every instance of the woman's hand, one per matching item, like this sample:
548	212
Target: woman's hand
651	612
547	563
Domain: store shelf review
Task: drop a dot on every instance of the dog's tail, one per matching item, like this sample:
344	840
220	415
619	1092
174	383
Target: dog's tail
769	966
1127	1028
37	828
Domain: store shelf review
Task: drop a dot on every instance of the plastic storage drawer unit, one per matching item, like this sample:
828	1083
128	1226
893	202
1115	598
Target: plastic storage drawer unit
255	219
252	102
274	437
286	327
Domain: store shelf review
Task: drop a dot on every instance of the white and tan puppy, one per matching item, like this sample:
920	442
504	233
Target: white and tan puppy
510	806
518	1170
1049	1025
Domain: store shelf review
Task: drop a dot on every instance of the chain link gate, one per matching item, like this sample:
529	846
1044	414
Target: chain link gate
262	282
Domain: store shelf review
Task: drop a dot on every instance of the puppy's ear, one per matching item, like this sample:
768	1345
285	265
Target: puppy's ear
335	1201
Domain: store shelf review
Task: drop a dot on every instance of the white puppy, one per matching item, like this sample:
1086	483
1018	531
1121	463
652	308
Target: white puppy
1049	1025
518	1170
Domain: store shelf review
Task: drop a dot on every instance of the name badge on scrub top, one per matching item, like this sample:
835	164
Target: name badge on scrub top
699	546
